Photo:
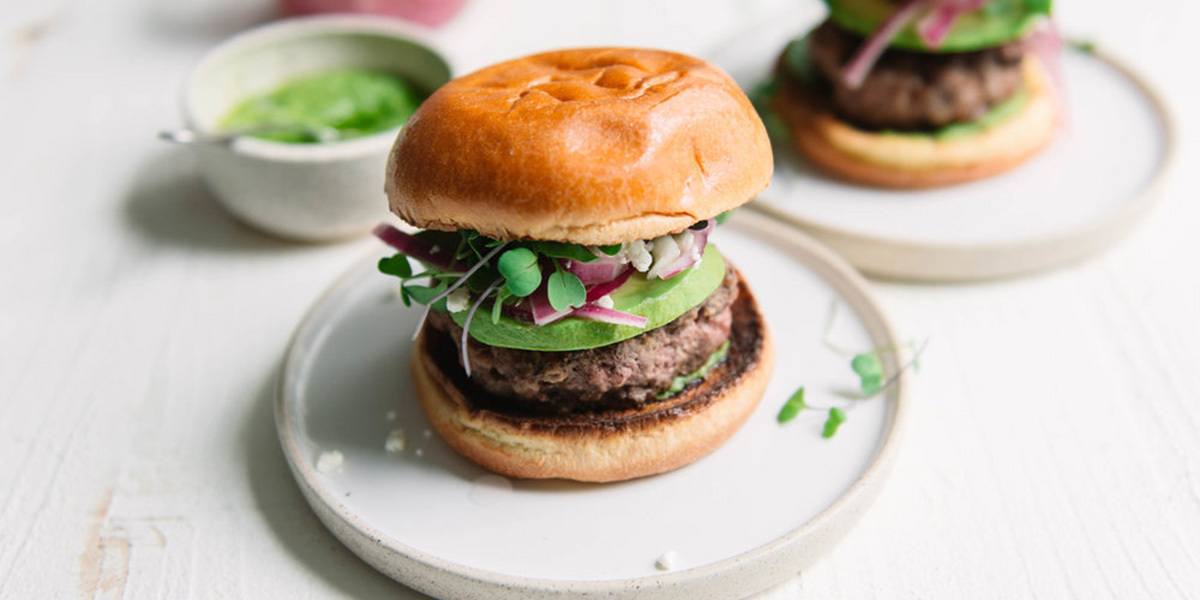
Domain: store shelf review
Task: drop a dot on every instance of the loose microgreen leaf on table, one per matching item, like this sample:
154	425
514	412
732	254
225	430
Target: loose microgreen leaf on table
869	369
835	419
867	366
792	407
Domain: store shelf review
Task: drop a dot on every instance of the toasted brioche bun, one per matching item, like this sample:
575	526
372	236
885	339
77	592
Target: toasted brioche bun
901	161
590	146
611	446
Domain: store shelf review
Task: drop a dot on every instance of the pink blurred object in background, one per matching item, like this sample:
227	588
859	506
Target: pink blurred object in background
427	12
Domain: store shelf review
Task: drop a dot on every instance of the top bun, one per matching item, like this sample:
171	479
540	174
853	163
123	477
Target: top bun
589	146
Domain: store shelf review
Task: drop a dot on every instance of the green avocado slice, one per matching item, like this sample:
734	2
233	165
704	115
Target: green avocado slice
998	22
660	301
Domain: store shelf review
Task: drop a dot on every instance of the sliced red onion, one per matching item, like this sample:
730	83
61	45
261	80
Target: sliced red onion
1046	43
416	247
935	26
860	65
600	290
597	271
609	315
543	312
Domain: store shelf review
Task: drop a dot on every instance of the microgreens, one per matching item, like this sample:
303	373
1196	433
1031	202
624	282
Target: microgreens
792	407
395	265
867	366
869	369
565	290
564	250
835	419
1082	45
519	268
477	261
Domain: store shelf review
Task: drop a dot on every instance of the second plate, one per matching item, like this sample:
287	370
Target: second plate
1082	193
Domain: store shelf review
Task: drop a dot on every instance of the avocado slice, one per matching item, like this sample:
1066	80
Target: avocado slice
660	301
997	23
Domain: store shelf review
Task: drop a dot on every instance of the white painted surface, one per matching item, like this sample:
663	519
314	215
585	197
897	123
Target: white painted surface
1054	450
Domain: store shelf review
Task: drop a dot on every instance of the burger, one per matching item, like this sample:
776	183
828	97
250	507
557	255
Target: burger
920	93
579	324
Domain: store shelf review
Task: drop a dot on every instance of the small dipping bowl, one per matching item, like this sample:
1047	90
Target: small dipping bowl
308	192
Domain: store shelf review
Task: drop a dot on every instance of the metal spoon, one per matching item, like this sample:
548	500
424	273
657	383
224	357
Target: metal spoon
191	136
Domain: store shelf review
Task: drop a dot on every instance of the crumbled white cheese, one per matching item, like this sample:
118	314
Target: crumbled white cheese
638	254
420	452
330	461
458	300
667	561
604	301
665	252
685	241
395	441
391	415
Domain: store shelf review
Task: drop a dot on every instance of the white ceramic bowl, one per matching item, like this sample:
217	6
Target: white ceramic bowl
310	192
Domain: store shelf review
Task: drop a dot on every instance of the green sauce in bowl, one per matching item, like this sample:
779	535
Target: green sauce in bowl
327	106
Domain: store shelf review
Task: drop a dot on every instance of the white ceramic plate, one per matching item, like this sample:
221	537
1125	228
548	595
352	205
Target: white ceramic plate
749	516
1078	196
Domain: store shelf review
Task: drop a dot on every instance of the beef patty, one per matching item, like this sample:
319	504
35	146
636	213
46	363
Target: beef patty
916	90
622	375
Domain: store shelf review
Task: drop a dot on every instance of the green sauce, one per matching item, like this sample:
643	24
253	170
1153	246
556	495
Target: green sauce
328	106
681	382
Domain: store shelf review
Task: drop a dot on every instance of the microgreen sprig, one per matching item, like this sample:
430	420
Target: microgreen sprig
565	290
867	366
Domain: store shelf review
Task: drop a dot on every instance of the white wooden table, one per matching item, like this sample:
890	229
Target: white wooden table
1055	449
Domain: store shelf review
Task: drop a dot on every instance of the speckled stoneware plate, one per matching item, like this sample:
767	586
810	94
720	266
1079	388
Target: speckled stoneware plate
1080	195
751	515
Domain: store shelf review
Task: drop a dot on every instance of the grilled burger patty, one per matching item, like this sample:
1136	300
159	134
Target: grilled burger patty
622	375
916	90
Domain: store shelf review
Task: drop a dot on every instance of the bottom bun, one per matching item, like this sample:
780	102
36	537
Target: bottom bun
913	161
606	446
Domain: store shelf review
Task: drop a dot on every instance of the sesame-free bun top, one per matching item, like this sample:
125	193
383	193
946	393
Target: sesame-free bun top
590	146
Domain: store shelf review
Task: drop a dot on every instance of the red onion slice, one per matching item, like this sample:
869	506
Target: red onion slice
416	247
1046	43
543	312
600	290
609	315
597	271
860	65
